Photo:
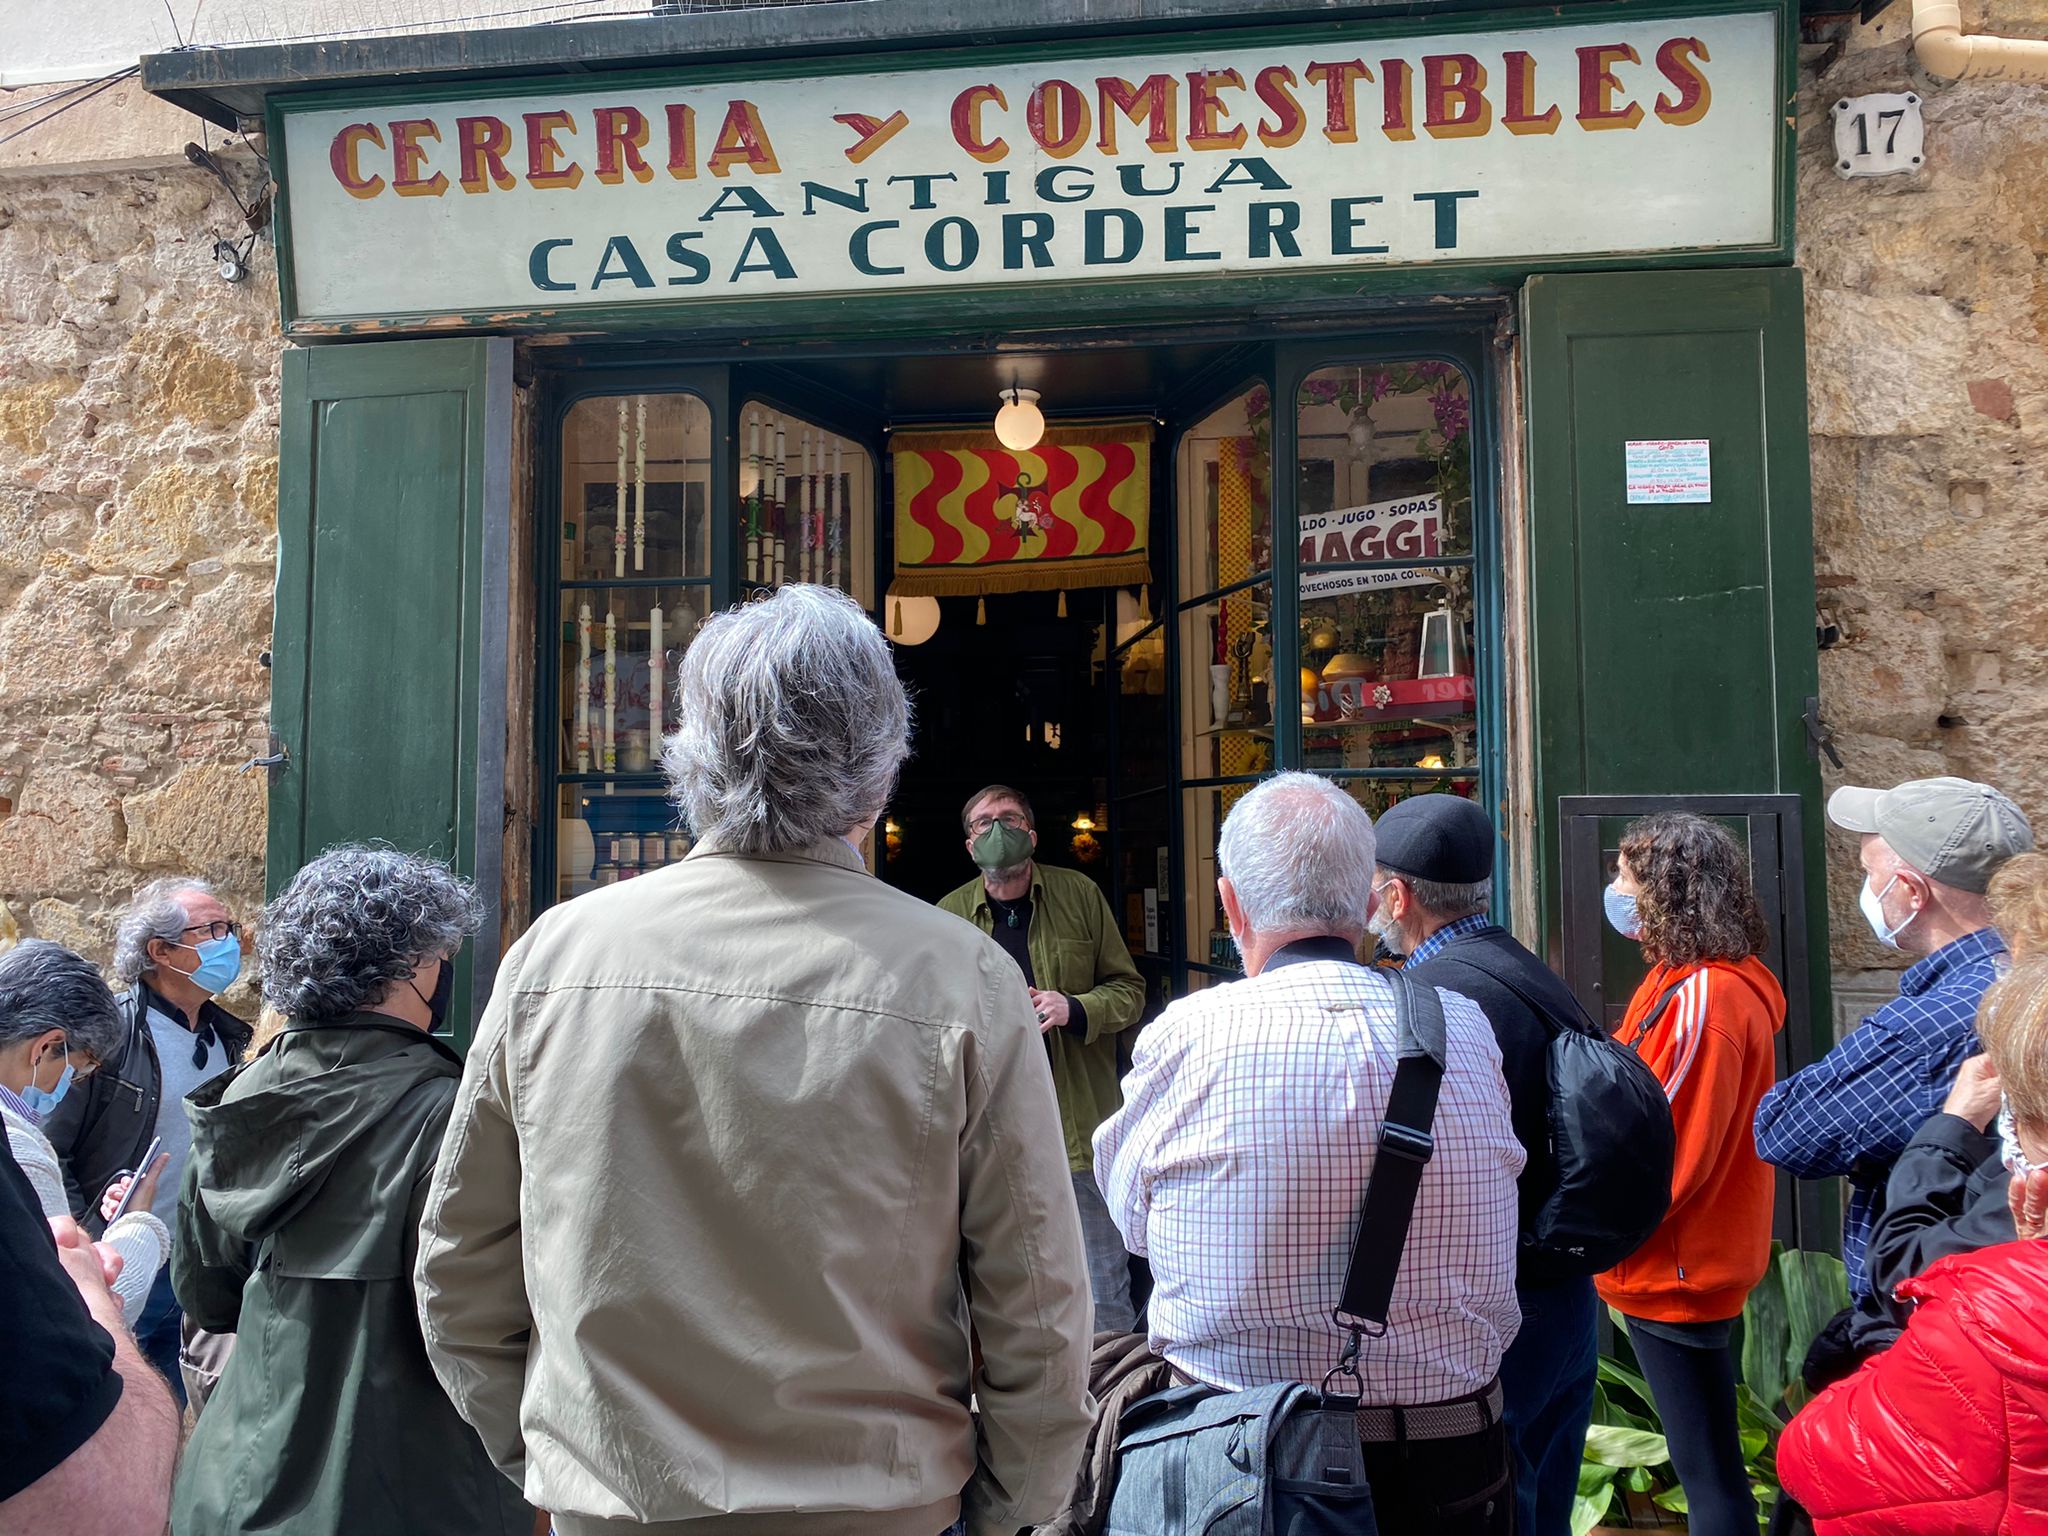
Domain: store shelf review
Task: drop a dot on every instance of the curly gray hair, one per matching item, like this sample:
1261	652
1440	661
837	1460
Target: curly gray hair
156	912
355	920
793	724
44	986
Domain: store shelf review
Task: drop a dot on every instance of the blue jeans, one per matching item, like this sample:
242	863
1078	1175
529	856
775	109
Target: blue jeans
1109	1263
160	1330
1546	1380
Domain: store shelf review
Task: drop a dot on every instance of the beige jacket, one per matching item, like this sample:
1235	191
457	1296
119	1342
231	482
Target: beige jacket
742	1150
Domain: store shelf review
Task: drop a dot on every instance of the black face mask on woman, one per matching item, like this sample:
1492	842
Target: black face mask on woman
443	994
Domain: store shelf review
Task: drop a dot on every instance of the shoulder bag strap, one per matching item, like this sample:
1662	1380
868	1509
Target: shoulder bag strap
1656	1014
1535	1005
1405	1147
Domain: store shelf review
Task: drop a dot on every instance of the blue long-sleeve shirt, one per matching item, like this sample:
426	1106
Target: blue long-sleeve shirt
1850	1114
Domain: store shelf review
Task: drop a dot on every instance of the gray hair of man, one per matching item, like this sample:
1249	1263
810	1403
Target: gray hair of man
1298	852
156	912
355	920
44	986
1445	902
792	725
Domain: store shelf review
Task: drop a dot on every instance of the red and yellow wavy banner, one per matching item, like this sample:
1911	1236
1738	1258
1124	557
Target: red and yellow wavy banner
957	505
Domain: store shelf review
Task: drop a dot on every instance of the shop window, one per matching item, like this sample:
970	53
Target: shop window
806	511
1387	641
635	585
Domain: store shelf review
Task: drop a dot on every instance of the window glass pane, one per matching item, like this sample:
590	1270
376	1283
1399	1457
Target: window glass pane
626	738
650	454
1226	657
807	498
606	834
1385	467
1378	796
1224	475
1144	873
1386	670
1208	932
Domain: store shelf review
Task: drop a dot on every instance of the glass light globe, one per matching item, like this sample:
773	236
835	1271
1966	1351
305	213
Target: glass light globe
912	620
1019	424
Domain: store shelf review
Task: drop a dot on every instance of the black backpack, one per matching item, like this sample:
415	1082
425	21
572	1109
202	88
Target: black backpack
1611	1140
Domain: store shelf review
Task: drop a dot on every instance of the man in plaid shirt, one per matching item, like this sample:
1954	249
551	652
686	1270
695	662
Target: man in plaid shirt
1930	847
1238	1165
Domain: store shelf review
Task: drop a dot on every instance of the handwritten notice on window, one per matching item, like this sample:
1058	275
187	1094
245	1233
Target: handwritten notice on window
1664	471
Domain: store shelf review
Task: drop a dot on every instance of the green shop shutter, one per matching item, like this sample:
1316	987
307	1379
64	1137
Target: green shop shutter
388	661
1673	645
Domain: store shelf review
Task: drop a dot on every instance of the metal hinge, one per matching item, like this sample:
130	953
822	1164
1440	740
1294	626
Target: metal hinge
1819	738
274	763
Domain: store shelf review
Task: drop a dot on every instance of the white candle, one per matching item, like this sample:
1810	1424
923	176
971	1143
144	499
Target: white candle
837	535
655	701
583	689
619	519
803	543
781	496
640	483
611	694
753	513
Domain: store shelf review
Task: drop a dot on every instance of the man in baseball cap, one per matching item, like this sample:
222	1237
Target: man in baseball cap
1929	848
1433	874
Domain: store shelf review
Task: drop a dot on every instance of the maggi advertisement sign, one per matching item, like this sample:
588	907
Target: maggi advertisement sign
1506	146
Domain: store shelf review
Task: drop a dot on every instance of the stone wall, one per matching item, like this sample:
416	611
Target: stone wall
138	491
1926	306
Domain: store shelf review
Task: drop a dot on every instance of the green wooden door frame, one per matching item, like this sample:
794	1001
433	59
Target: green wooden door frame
395	461
1701	635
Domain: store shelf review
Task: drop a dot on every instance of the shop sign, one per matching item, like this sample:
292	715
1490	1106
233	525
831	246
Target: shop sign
1410	528
1243	158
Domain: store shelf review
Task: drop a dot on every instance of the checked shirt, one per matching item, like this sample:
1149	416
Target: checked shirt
1238	1165
1850	1114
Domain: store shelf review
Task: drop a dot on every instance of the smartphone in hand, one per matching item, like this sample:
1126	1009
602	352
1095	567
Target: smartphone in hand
148	1162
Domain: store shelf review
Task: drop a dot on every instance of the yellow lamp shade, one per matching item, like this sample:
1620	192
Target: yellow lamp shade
1347	664
910	620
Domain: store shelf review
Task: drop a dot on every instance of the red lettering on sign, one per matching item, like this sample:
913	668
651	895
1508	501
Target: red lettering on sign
742	141
544	169
1680	61
1521	115
1275	86
342	156
1207	110
621	135
1057	115
1157	100
1597	85
1340	97
1454	104
483	143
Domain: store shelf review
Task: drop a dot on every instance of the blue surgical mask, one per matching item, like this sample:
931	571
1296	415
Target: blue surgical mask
1622	913
41	1101
220	962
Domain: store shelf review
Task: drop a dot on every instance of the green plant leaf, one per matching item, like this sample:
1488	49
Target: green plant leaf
1589	1509
1751	1412
1672	1499
1611	1446
1593	1477
1754	1443
1636	1479
1766	1333
1613	1373
1815	1287
1620	1322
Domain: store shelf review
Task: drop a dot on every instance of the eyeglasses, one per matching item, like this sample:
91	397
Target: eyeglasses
1014	820
213	930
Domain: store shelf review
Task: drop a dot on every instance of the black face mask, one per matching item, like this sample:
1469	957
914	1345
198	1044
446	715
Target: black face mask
444	993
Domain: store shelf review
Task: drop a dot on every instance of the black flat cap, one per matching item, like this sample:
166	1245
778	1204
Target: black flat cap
1445	838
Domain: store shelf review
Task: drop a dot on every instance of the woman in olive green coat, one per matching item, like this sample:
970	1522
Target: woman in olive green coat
298	1224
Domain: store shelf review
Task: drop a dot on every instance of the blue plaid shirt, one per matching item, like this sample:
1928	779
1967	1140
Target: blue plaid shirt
1432	946
1851	1113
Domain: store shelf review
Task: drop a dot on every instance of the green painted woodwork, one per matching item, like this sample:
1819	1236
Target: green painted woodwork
1672	647
948	311
388	680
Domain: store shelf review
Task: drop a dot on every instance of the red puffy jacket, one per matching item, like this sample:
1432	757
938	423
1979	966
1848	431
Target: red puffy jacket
1947	1431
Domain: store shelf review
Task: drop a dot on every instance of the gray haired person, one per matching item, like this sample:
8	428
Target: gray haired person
58	1023
828	1100
298	1224
175	947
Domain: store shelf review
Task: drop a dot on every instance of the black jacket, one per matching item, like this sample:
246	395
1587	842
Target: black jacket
1947	1195
1468	966
105	1123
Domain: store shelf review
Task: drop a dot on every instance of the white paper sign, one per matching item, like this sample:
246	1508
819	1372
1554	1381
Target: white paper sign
1254	157
1664	471
1407	528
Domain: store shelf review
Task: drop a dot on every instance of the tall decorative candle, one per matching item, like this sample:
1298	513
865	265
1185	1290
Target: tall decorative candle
583	689
753	512
611	694
803	538
655	701
833	491
781	498
619	505
640	482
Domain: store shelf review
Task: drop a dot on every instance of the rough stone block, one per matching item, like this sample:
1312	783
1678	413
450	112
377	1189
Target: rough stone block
208	819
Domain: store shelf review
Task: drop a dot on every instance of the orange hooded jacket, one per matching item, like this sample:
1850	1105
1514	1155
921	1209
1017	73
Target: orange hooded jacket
1713	1051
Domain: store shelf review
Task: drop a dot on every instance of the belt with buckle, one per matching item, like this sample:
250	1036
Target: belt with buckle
1452	1420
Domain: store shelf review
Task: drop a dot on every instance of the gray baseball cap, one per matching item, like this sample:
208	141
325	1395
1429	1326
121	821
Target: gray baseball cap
1952	830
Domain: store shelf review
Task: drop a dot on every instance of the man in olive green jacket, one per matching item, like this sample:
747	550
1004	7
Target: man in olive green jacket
1058	929
749	1150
